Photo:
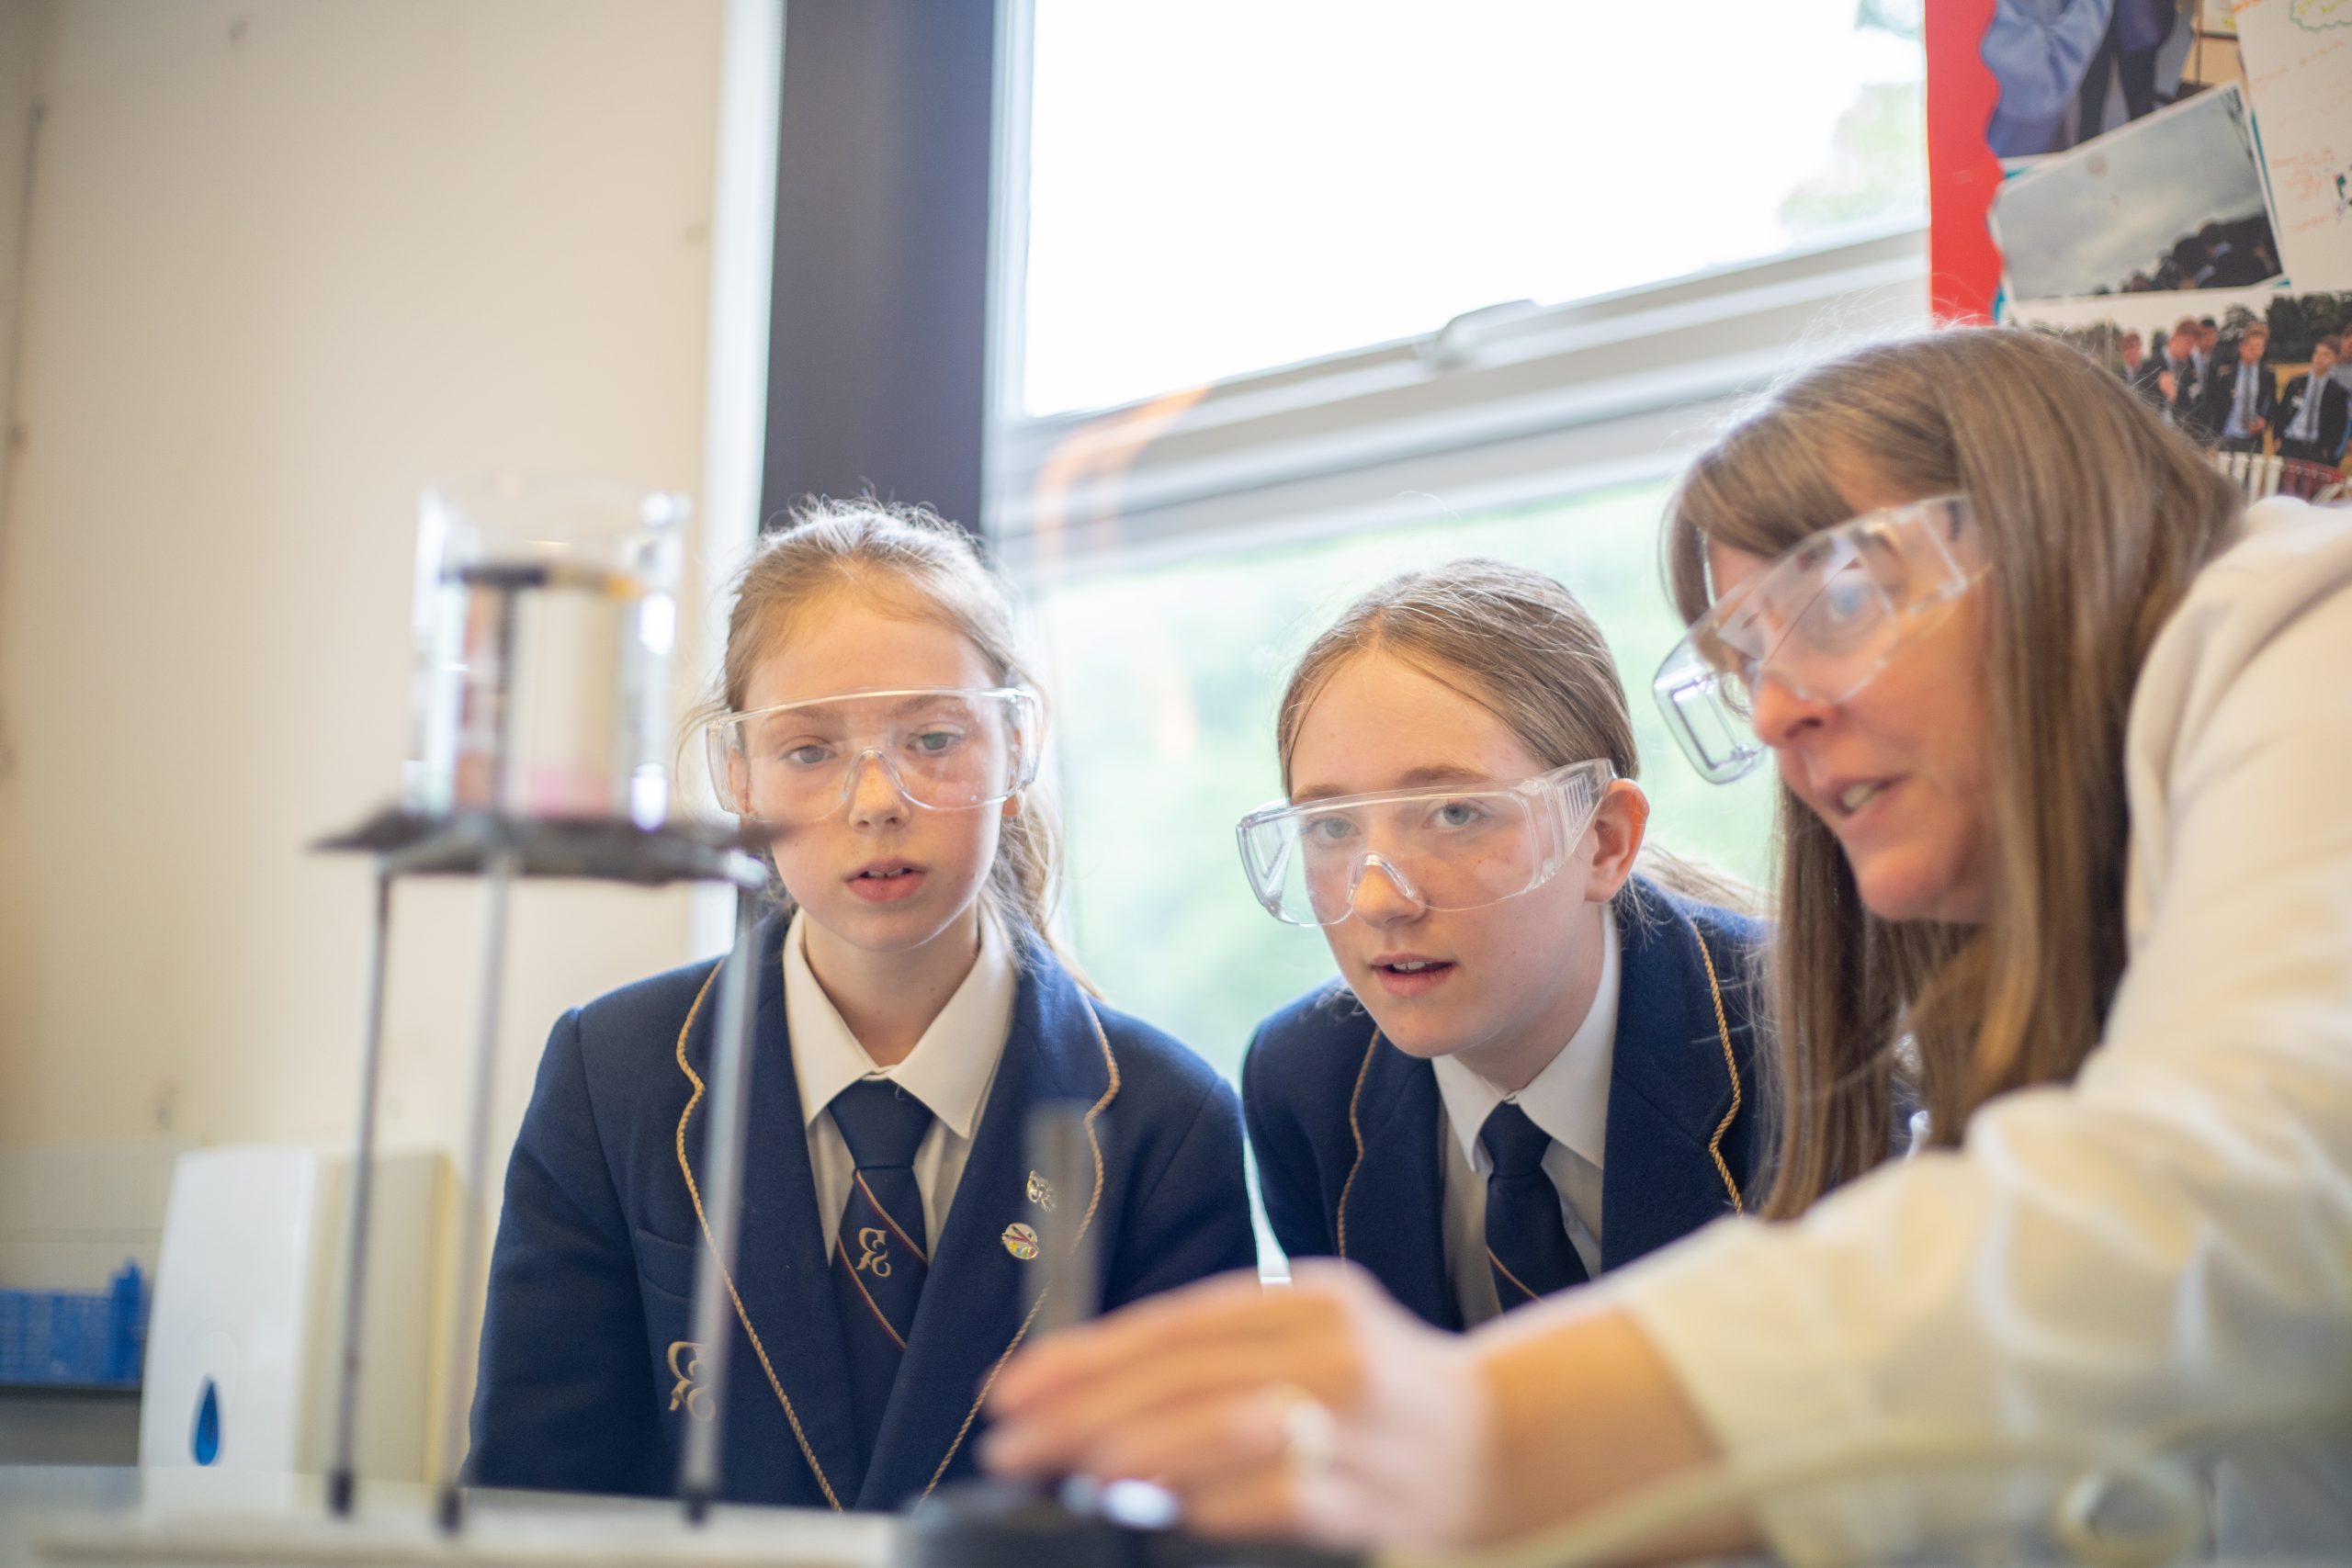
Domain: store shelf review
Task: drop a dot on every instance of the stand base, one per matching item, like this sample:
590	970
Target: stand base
501	1530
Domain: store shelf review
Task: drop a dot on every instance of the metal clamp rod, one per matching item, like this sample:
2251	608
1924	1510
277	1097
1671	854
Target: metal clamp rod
714	1326
1060	1154
505	865
339	1473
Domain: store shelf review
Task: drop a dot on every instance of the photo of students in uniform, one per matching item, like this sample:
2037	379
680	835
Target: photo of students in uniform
2072	69
2270	385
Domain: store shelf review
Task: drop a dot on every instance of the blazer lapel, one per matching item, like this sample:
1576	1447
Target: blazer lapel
1391	1209
978	1300
781	1280
1671	1086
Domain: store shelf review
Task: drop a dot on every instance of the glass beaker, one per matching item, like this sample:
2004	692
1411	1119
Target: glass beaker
546	613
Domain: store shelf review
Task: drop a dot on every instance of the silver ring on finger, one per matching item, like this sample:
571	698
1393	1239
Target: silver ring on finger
1307	1428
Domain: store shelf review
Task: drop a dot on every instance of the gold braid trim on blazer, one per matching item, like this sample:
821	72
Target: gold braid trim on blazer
1715	1143
1093	1203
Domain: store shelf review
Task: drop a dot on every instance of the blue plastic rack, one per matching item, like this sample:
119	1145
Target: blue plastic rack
62	1338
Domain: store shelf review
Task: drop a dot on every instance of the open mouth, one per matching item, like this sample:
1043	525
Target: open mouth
1854	796
1411	976
886	882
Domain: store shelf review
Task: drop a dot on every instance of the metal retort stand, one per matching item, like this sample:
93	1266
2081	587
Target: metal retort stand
498	848
545	618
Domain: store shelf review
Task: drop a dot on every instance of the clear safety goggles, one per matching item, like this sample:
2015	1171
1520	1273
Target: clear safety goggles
945	749
1822	620
1443	848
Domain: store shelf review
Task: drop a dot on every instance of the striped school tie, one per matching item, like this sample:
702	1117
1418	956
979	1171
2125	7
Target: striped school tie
1527	1241
881	1254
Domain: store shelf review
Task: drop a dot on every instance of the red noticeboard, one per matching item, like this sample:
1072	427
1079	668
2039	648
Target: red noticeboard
1963	266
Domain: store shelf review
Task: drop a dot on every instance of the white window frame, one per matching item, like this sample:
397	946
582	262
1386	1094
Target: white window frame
1505	405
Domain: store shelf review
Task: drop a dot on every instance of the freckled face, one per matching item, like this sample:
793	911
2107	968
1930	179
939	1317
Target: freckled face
931	864
1501	983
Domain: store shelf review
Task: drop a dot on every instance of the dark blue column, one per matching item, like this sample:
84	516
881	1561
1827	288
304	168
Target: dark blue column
876	349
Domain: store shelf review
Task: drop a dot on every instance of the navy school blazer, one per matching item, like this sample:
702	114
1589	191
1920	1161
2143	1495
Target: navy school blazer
587	1378
1345	1126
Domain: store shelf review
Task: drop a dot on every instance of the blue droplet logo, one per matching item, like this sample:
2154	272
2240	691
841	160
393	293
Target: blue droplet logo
206	1442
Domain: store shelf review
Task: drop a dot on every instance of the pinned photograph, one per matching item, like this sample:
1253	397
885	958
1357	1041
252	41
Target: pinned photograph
2171	203
2252	375
2070	70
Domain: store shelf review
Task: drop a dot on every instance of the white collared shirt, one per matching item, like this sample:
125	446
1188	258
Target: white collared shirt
2163	1243
2305	424
1569	1100
950	1070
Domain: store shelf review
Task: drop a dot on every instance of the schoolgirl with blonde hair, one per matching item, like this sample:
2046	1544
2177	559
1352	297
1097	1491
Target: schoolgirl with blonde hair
875	726
1535	1063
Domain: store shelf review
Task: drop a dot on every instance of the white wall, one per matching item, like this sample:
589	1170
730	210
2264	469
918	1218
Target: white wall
289	260
20	31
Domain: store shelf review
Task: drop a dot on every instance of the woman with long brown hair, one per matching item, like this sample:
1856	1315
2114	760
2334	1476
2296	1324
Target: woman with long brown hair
2066	838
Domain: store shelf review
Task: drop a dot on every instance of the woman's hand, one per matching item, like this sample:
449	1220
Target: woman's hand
1323	1410
1326	1411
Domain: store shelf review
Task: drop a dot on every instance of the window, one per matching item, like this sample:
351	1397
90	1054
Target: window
1290	294
1218	186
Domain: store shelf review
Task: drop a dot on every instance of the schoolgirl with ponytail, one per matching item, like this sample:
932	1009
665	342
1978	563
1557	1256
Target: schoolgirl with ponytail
1537	1061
